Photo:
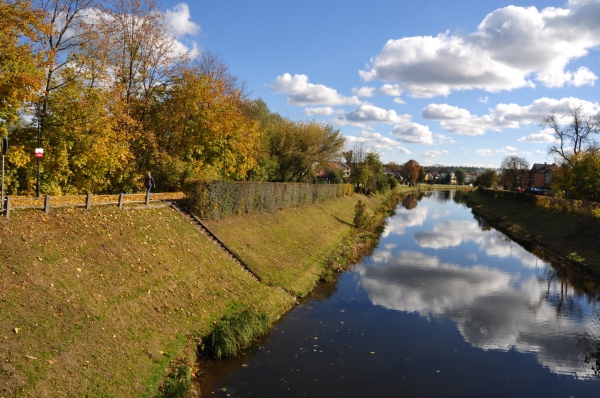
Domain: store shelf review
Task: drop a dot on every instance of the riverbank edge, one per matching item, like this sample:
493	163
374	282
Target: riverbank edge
562	238
42	255
354	245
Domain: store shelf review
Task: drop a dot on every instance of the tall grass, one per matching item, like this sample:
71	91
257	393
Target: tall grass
235	332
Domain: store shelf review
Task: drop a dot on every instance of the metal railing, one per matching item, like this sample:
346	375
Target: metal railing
47	202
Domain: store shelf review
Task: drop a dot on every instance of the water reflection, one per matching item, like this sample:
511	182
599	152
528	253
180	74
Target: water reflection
445	306
495	307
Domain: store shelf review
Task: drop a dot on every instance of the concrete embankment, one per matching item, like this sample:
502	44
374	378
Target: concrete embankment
100	302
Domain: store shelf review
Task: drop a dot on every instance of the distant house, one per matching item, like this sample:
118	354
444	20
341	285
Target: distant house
541	175
470	178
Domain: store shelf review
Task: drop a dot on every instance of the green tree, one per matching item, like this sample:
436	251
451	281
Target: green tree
461	176
580	176
487	179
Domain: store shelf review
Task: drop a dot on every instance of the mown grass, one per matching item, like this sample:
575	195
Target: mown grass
107	302
100	302
289	248
564	236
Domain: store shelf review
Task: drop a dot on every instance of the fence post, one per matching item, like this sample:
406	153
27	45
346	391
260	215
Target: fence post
88	201
7	207
121	200
47	204
147	198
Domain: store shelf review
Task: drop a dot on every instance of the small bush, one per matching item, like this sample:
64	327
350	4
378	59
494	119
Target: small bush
235	332
361	217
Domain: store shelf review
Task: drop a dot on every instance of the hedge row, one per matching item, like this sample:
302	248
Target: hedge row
580	207
218	199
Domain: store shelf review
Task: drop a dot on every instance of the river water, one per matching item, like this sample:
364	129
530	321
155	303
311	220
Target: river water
444	307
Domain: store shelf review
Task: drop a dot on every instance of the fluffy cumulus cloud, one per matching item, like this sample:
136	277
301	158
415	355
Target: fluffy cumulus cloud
302	93
377	142
405	129
366	113
391	89
179	20
365	91
503	116
543	137
432	153
507	150
513	47
322	111
414	133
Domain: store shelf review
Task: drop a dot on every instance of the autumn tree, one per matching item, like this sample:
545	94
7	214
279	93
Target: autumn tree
203	129
300	146
410	171
21	62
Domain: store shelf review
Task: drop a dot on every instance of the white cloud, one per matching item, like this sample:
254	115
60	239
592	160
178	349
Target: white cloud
484	152
413	133
583	77
483	100
542	137
444	139
366	113
324	111
377	142
399	101
507	150
302	93
391	89
178	19
511	47
365	91
432	153
503	116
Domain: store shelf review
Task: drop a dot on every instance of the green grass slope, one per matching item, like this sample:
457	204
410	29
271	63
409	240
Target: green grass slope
288	248
567	237
97	303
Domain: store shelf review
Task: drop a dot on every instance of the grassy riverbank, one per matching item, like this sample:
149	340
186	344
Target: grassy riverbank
101	302
565	237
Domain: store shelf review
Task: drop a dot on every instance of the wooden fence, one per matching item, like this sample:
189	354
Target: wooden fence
47	202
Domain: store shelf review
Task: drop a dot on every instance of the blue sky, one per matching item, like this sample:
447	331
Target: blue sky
442	82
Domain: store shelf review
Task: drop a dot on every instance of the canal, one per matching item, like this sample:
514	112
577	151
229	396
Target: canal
444	306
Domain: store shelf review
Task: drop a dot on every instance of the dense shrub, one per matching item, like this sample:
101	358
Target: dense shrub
218	199
235	332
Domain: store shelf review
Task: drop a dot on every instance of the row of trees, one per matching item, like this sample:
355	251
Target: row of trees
108	93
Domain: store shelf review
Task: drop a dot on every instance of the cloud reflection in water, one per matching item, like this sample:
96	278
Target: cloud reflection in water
493	310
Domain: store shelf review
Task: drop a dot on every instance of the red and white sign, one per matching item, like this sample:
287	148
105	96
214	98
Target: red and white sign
39	152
